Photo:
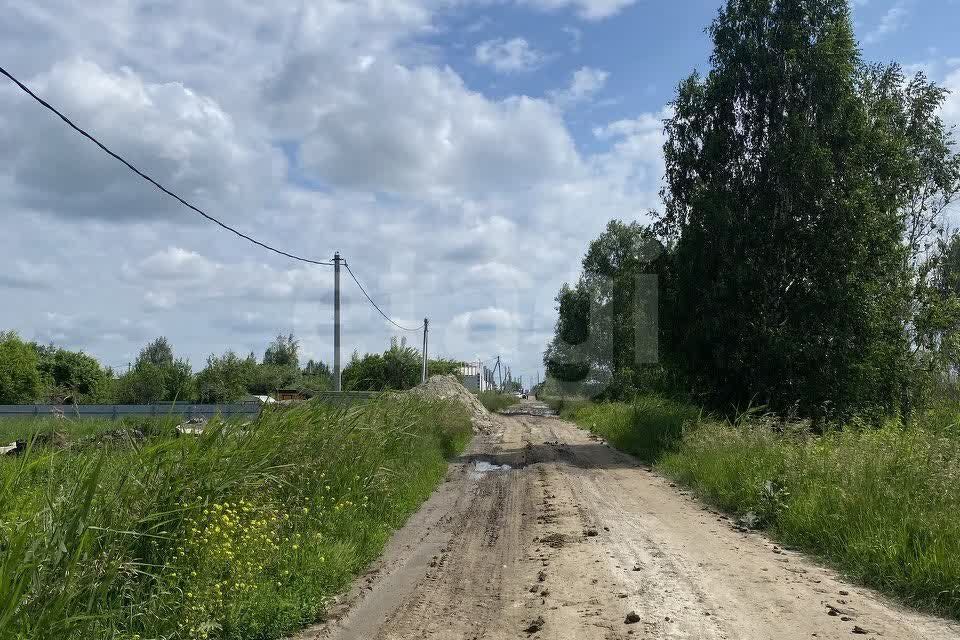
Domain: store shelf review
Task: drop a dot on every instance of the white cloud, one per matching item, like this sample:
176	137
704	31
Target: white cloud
585	83
174	264
438	194
505	275
586	9
508	56
951	107
420	130
186	140
487	320
576	38
22	274
892	21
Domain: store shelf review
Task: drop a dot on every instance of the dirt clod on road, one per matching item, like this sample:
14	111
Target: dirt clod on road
501	551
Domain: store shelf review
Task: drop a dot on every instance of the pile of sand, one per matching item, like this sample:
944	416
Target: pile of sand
450	388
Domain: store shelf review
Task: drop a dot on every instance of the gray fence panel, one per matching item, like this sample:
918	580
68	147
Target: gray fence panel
121	410
164	409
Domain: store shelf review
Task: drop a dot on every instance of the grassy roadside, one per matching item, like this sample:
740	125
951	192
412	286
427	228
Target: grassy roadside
494	400
243	532
882	505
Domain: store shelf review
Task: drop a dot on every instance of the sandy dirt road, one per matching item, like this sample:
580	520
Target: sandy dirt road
573	537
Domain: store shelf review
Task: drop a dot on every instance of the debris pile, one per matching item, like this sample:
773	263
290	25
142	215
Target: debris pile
192	427
449	388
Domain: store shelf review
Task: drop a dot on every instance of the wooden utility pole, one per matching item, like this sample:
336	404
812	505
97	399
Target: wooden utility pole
336	321
423	375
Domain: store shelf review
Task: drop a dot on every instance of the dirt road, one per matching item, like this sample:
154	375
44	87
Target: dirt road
543	531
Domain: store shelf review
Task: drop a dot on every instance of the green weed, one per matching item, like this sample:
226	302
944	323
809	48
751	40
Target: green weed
246	531
494	400
880	504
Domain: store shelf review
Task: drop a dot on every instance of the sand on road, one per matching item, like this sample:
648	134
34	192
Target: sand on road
544	531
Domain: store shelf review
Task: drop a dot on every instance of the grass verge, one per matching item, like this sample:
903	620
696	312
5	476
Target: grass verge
494	400
882	505
246	531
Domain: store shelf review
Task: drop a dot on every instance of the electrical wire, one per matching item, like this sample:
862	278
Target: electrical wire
159	186
194	208
375	304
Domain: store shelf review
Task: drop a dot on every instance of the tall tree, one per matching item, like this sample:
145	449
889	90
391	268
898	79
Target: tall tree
790	286
225	378
607	323
157	376
919	164
158	353
283	352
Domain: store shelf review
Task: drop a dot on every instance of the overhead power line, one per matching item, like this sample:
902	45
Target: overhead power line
375	306
187	204
159	186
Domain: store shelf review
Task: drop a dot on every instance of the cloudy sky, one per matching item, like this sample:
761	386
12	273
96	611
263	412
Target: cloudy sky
460	154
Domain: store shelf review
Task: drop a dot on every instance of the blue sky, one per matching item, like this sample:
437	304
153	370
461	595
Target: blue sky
460	153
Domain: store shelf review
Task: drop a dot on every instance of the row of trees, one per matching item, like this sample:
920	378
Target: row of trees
399	367
31	372
802	258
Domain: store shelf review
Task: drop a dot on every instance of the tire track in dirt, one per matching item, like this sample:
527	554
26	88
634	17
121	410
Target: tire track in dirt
575	536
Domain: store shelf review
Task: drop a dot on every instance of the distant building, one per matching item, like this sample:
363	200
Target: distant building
470	377
281	395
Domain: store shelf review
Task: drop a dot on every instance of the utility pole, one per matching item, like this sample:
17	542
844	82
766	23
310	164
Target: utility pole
423	375
336	321
498	367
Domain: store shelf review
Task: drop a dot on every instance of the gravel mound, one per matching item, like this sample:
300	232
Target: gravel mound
449	388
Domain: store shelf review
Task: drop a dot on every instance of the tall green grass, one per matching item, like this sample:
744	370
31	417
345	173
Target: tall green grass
494	400
881	504
646	428
246	531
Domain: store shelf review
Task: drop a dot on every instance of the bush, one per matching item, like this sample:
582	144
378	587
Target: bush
19	378
647	428
69	373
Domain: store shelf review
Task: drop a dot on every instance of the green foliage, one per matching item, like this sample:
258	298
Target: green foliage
881	504
144	384
443	367
69	373
267	378
648	427
156	376
784	196
607	323
158	353
283	352
242	532
316	368
400	367
225	378
494	400
19	378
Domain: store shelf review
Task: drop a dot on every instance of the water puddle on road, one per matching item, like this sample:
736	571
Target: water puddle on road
482	467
